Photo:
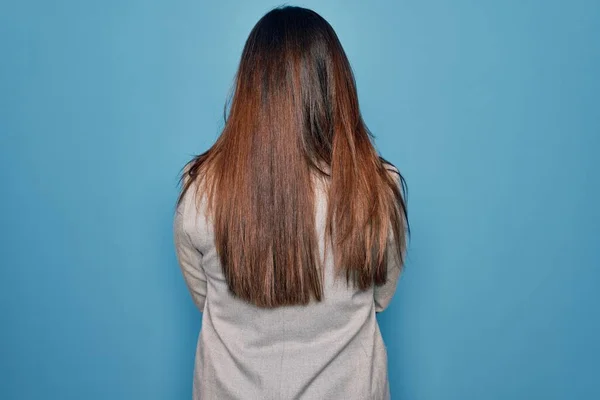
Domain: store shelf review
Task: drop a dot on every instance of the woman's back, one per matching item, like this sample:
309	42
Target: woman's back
290	229
330	349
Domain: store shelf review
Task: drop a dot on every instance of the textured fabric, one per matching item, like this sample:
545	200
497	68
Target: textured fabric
329	350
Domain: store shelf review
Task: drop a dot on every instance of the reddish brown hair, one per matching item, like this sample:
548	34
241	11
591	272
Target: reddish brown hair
293	115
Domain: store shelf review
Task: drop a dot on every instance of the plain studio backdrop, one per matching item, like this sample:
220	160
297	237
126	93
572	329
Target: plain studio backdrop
491	109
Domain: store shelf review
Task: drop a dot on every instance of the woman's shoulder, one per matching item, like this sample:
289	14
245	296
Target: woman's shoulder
391	169
191	215
190	202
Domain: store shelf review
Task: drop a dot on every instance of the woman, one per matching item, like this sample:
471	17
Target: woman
290	230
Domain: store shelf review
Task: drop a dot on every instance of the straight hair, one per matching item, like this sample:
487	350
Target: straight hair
294	115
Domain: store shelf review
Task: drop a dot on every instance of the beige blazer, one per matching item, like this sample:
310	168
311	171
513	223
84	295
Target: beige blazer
332	350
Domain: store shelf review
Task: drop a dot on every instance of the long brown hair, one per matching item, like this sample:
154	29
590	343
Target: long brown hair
294	114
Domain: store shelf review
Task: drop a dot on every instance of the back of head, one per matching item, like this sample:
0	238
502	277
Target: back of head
294	112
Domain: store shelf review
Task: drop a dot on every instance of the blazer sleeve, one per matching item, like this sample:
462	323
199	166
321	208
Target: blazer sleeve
383	294
188	256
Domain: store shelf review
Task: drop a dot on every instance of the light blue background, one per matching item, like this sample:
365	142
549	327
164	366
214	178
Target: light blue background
490	108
